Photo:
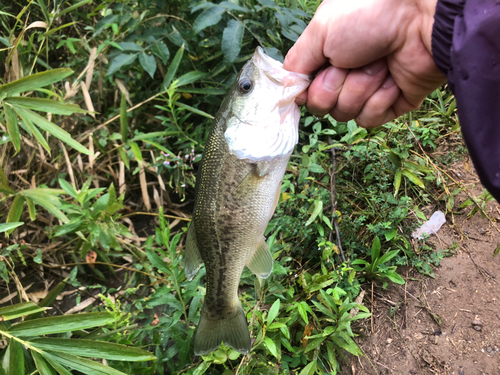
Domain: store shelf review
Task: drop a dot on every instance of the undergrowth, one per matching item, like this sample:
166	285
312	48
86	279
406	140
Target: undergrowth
104	110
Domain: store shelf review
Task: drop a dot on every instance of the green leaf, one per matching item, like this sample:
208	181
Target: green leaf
41	364
190	77
53	129
231	40
9	226
61	370
34	81
31	208
273	312
313	344
13	360
388	256
271	346
16	209
12	128
68	188
310	369
202	368
73	7
45	105
160	49
82	365
47	199
136	151
89	348
18	310
65	323
395	278
119	61
157	262
315	168
208	17
397	181
194	110
375	249
148	63
124	118
497	250
413	178
318	208
34	130
172	69
302	311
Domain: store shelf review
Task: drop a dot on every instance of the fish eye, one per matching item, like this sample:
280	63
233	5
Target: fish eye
245	86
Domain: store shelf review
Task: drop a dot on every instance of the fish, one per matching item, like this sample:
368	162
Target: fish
237	189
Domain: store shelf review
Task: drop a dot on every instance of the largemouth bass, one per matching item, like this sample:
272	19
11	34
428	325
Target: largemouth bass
237	189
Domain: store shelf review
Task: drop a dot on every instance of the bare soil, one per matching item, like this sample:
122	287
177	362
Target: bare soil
449	324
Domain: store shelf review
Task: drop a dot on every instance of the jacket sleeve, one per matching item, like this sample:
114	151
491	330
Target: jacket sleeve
466	48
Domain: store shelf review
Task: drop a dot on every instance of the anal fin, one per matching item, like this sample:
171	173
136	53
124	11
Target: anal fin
192	257
261	263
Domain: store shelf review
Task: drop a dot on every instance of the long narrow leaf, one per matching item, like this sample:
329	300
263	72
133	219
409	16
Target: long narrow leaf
34	130
8	226
42	365
45	105
13	360
12	128
53	129
58	324
18	310
35	81
231	40
82	365
90	348
172	69
16	209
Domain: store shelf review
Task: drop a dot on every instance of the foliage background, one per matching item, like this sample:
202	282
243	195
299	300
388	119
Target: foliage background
104	110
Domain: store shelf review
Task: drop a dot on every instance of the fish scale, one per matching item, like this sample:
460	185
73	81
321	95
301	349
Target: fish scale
236	194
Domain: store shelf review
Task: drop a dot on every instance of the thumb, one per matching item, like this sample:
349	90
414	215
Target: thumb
306	55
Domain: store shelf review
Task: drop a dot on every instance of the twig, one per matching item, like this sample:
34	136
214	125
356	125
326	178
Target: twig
333	197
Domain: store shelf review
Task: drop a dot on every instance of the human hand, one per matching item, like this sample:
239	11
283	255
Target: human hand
376	59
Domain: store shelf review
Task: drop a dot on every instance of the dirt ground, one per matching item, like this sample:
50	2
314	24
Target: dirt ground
446	325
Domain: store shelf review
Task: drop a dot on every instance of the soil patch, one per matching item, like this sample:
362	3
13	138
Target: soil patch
449	324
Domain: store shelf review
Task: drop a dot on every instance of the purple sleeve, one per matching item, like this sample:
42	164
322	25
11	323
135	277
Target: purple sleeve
466	48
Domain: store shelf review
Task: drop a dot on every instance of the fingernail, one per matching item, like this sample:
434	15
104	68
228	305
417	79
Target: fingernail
388	82
333	78
375	67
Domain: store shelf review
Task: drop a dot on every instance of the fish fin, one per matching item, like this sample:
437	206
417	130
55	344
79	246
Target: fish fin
261	263
232	330
192	258
276	200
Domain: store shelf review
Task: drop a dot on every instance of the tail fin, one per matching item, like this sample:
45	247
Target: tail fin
232	330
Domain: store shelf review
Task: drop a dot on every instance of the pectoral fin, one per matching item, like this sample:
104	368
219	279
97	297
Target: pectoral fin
261	263
192	258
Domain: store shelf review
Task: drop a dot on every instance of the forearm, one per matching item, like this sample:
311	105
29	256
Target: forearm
466	48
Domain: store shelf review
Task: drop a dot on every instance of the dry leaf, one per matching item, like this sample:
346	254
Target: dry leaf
88	99
91	258
144	186
124	91
90	67
307	332
156	321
